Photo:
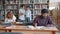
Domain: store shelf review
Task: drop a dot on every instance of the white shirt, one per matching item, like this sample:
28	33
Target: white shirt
22	17
10	20
28	14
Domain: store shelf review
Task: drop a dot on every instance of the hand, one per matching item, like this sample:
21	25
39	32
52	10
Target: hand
50	25
14	22
35	24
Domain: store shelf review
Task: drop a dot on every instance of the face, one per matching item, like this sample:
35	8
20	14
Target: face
23	7
10	15
44	14
27	8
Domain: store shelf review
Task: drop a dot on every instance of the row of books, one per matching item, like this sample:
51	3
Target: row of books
1	17
15	12
40	6
2	12
37	12
2	7
31	6
40	1
25	1
12	7
33	1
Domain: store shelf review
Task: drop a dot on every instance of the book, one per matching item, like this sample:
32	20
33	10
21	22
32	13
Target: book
15	7
20	1
1	17
9	7
37	12
2	12
27	1
37	6
37	27
44	1
37	1
44	7
31	1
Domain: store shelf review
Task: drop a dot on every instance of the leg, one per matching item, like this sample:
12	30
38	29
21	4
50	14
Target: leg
9	30
27	19
5	30
53	32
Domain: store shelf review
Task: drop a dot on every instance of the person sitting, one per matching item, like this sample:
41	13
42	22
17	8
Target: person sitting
43	20
10	18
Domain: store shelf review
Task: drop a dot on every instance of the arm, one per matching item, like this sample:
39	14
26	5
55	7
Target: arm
35	22
30	15
50	22
14	18
20	12
6	20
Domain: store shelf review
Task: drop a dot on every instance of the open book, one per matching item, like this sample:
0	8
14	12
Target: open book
37	27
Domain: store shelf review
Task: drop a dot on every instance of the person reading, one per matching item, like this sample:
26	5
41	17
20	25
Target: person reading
43	20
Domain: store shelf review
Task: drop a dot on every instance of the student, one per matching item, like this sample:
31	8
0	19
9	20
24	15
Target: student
28	14
43	20
10	18
22	13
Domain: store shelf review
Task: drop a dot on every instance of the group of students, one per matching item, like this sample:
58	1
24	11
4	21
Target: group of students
41	20
24	15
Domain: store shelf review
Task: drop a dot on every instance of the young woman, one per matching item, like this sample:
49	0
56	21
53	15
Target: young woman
10	18
28	14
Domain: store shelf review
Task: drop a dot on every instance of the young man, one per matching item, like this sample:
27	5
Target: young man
28	14
22	13
43	19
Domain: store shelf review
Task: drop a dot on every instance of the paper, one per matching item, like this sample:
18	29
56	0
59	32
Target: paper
37	27
19	22
11	26
31	27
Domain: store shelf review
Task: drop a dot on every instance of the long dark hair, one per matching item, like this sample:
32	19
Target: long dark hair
9	15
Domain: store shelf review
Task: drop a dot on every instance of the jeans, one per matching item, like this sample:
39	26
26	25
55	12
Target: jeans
28	19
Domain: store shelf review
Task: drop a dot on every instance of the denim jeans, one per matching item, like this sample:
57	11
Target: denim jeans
28	19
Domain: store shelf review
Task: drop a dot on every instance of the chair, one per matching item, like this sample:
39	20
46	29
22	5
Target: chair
11	33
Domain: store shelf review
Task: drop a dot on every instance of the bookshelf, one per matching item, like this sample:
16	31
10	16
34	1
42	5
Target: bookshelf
38	5
35	6
2	10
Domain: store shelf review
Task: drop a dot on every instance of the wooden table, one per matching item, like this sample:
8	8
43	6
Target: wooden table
26	30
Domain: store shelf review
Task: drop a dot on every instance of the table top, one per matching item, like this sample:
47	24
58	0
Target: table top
26	28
